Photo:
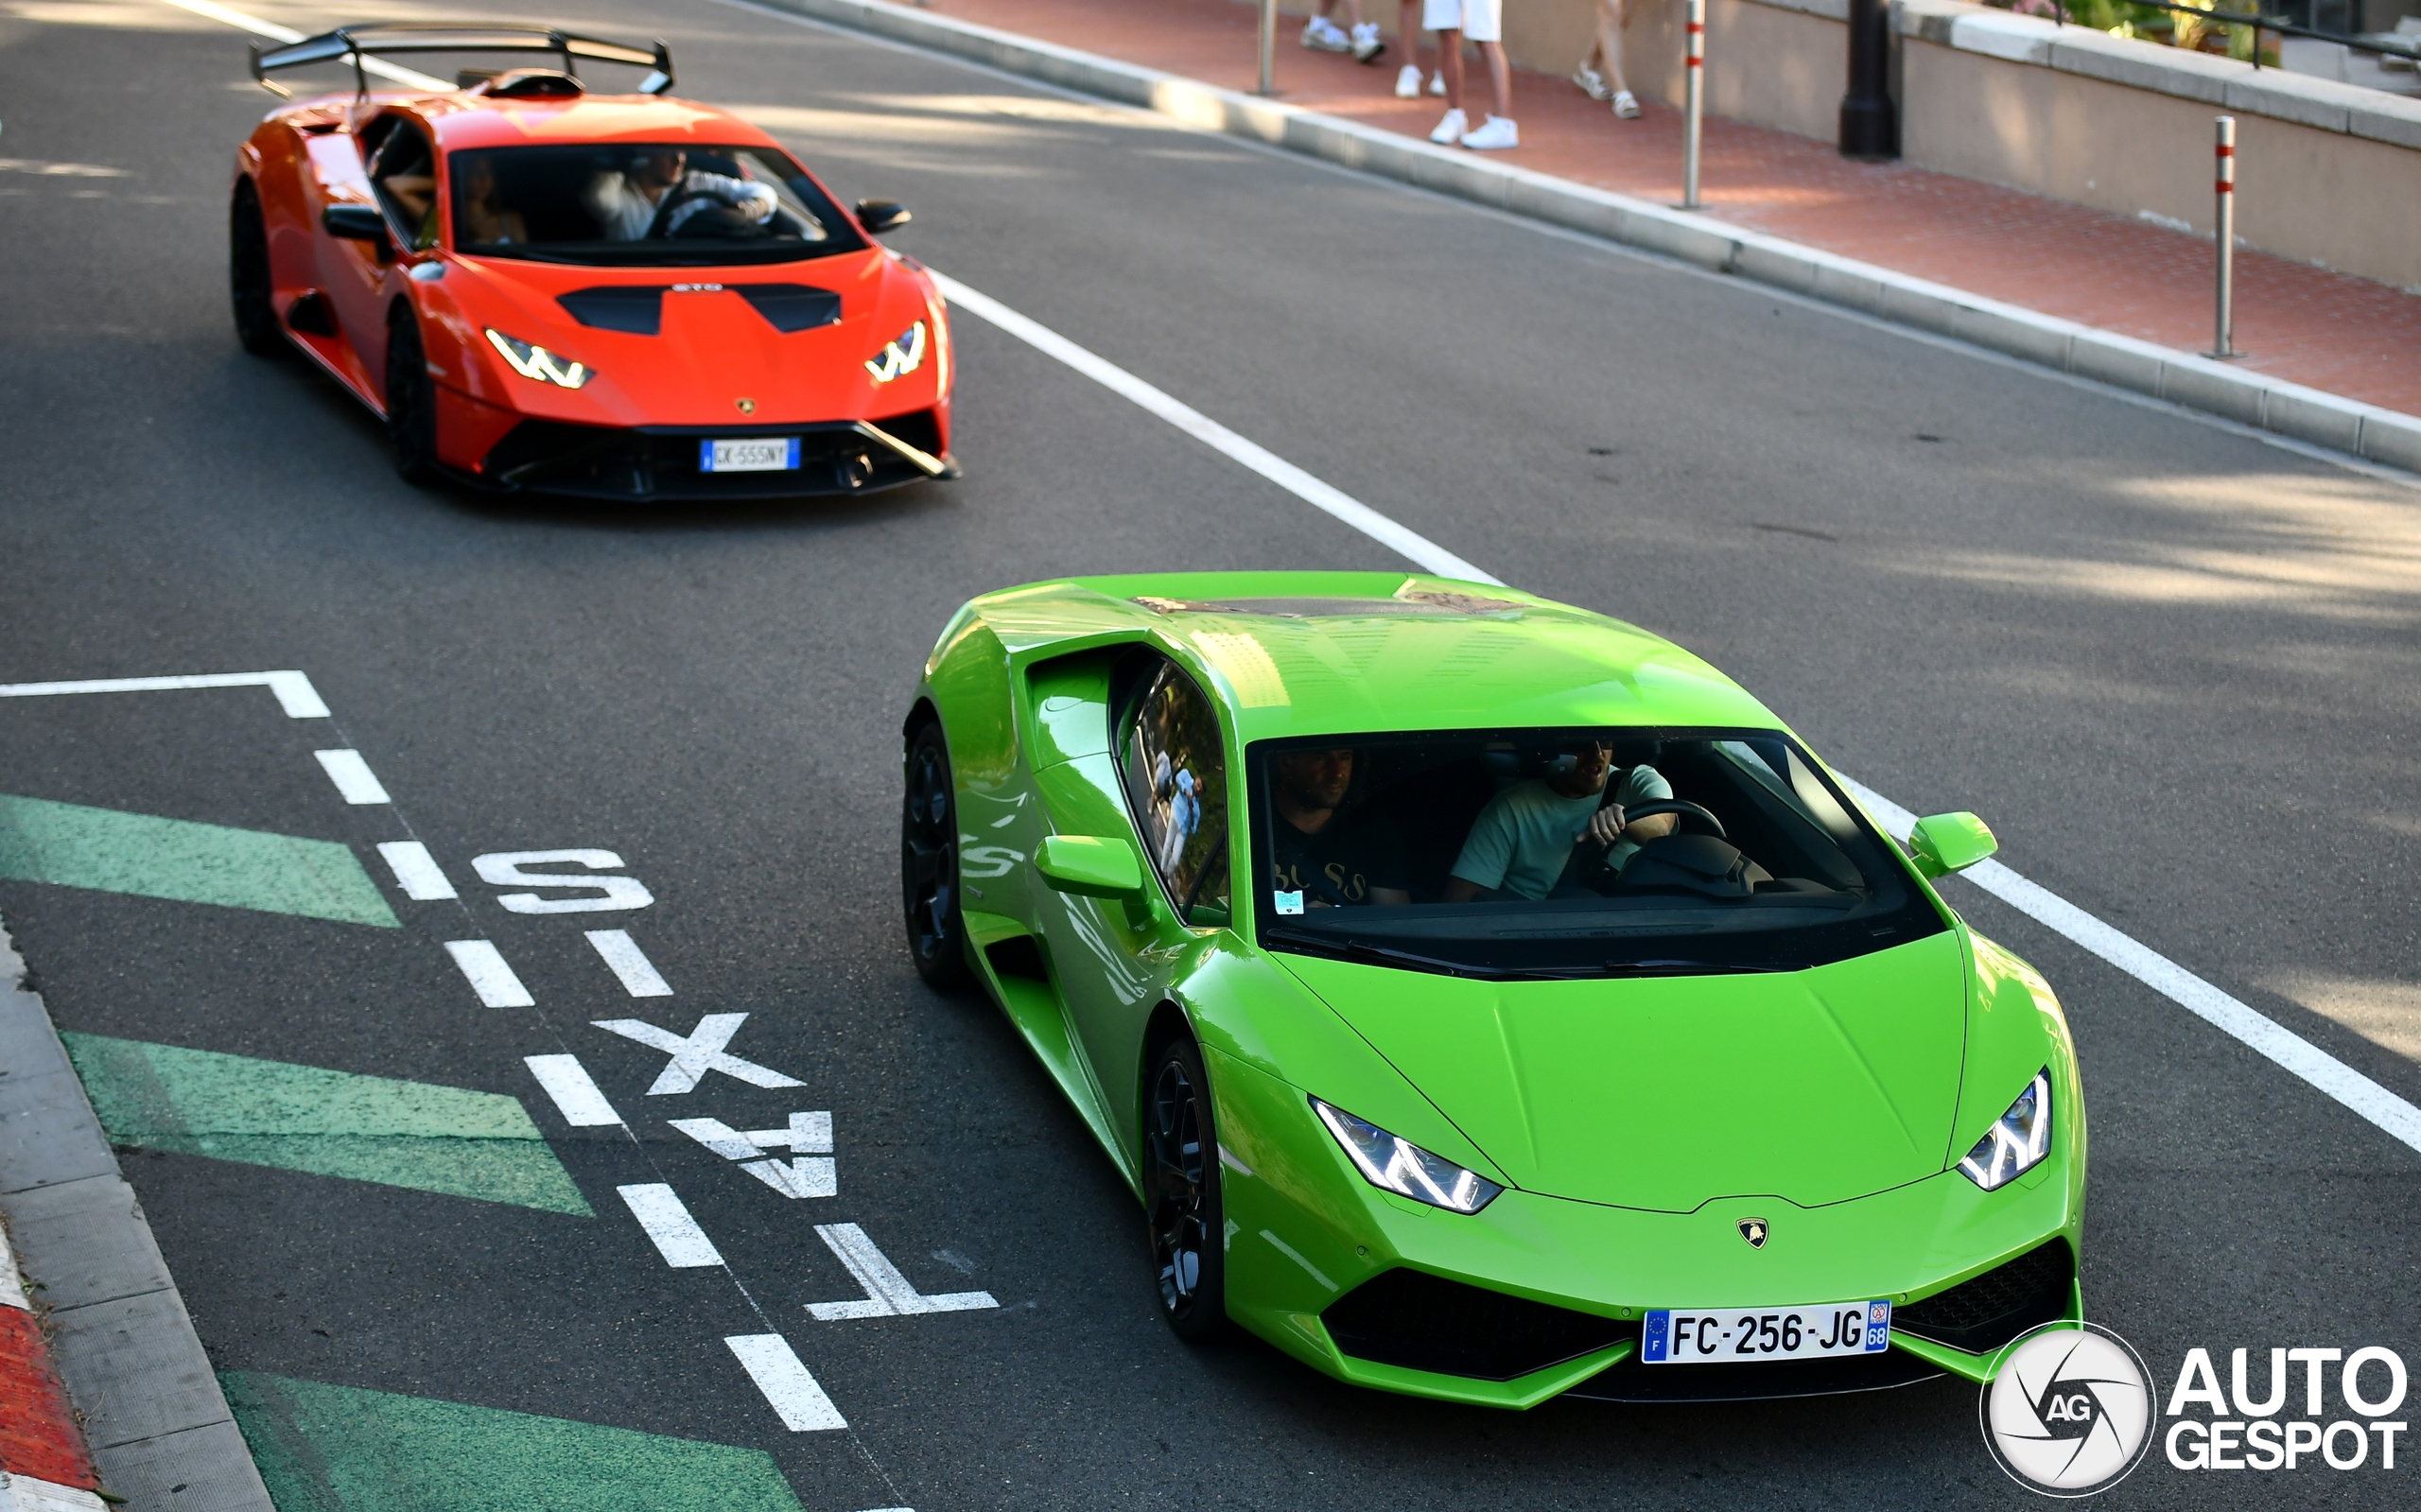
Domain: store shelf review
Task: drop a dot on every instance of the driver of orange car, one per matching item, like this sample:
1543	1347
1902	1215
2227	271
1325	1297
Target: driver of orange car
1525	835
630	202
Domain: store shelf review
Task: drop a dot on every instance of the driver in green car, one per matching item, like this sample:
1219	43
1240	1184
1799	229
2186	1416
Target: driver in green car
1326	856
1523	838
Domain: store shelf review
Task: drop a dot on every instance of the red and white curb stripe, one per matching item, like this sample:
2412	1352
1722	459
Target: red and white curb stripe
44	1465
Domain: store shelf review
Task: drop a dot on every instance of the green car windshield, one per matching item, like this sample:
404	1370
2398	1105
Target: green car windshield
1497	853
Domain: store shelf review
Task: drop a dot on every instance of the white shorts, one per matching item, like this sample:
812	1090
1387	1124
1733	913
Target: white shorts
1479	20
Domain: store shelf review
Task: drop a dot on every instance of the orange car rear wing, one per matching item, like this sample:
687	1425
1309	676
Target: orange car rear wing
354	43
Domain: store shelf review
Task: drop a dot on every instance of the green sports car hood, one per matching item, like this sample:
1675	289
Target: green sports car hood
1815	1086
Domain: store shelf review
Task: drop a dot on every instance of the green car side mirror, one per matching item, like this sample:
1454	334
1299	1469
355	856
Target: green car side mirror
1950	843
1090	866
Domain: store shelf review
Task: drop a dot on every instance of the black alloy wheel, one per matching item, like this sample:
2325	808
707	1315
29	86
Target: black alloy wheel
411	402
248	275
1181	1183
929	863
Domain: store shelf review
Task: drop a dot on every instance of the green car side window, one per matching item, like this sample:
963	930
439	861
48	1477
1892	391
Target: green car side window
1177	785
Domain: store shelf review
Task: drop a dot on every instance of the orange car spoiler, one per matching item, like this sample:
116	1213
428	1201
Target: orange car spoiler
432	36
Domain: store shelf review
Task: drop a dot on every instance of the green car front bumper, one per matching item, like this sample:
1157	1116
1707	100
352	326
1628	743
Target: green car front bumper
1305	1233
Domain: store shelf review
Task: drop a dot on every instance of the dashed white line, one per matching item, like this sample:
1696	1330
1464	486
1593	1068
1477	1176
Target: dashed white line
575	1092
293	690
639	975
416	871
489	975
788	1388
2392	1114
353	776
678	1237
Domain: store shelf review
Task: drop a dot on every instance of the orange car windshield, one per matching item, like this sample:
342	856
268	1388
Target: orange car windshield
646	205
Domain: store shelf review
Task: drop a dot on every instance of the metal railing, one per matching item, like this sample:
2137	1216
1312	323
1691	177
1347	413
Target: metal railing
2260	24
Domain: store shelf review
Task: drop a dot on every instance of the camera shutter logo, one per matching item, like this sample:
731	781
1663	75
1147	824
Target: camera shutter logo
2071	1413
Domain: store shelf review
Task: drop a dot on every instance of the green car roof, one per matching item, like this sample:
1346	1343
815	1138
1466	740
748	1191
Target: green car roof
1303	653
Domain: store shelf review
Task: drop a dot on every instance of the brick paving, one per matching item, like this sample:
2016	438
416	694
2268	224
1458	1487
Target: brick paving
2332	331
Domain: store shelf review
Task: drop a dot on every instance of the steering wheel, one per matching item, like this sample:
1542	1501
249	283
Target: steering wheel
659	227
1674	806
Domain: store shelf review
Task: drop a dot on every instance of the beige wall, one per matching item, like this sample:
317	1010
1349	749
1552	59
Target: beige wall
2344	201
2318	196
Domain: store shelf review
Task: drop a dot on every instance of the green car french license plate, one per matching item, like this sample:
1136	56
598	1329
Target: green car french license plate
1706	1336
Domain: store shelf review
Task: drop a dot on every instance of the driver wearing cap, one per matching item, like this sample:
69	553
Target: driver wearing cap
1523	838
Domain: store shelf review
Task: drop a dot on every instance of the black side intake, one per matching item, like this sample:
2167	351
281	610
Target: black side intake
1424	1322
1986	1312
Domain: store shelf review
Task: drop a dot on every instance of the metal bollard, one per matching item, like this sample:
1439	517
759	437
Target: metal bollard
2224	330
1693	102
1268	47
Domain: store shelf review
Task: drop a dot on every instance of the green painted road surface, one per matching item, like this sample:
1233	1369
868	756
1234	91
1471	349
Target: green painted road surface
72	845
339	1449
331	1123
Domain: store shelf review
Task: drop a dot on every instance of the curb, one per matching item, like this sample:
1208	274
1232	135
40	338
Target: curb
2179	377
157	1425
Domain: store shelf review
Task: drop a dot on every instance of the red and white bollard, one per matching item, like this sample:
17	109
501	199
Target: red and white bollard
2224	337
1694	101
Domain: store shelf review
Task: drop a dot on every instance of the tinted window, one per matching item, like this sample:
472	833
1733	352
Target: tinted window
404	172
645	206
1177	784
1735	852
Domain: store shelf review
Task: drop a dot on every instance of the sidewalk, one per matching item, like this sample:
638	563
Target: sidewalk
2332	332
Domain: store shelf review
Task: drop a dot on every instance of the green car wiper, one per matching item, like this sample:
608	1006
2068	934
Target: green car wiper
1380	955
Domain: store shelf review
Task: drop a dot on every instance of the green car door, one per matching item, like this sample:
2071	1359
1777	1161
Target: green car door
1157	798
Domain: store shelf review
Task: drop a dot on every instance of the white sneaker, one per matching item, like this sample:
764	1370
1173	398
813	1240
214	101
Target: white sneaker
1408	81
1321	35
1437	85
1368	44
1450	131
1494	135
1591	82
1625	107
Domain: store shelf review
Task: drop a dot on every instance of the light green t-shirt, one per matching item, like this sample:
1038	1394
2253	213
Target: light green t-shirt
1523	838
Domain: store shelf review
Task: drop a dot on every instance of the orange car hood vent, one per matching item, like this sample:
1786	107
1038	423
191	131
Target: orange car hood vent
639	308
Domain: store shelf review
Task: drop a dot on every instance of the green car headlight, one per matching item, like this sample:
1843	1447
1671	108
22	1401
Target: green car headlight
1404	1168
2018	1143
533	361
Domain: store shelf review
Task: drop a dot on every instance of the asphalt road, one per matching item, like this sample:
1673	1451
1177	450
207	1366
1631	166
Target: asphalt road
2175	667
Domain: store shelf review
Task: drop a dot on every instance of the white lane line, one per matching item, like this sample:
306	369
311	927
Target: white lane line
277	33
294	692
490	977
2340	1082
2173	982
701	1052
783	1377
637	973
575	1092
678	1237
1320	495
353	776
888	1292
416	871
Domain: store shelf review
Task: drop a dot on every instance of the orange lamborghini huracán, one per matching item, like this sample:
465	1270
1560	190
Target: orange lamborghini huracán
619	296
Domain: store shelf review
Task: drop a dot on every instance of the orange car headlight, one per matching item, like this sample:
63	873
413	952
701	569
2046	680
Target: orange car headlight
900	358
534	361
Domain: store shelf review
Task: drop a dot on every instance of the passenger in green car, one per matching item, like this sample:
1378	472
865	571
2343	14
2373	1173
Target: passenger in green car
1330	856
